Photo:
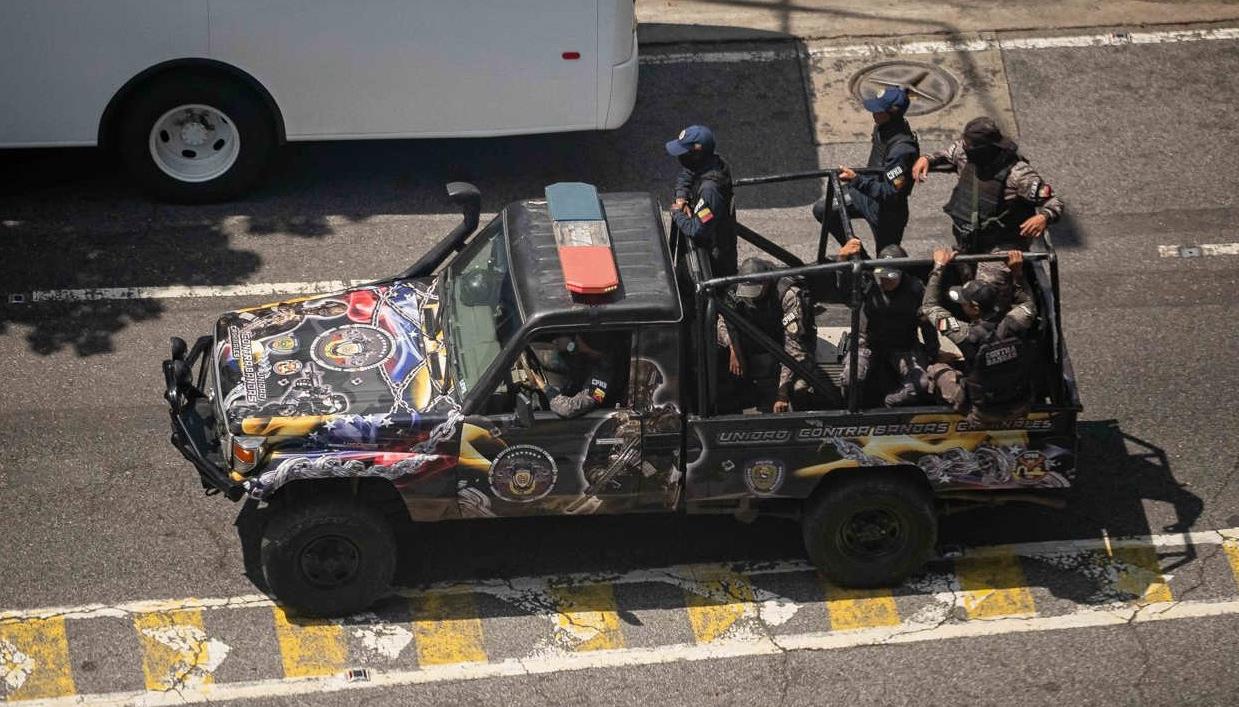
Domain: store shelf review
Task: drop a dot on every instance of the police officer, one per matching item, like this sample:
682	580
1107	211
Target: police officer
880	199
1000	202
990	381
781	312
585	376
704	210
890	316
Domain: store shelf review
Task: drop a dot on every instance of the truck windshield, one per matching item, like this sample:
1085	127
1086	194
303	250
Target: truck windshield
482	313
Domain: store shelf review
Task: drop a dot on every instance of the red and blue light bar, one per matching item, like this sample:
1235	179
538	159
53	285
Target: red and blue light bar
582	238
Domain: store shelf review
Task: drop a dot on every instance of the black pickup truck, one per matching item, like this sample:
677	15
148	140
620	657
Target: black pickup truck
411	398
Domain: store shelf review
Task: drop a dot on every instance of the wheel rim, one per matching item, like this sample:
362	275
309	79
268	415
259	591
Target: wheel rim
330	561
194	143
872	533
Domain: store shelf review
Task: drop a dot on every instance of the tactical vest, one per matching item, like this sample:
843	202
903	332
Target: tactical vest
983	218
997	380
723	258
891	317
768	314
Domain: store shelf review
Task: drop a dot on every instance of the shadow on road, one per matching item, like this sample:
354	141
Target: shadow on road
72	219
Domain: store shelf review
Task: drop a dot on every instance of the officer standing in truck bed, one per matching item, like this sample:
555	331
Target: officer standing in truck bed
880	199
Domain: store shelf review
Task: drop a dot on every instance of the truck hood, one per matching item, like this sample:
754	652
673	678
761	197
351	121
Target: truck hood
375	350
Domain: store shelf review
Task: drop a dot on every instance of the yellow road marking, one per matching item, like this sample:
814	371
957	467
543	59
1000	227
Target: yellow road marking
852	609
34	660
176	650
587	616
724	598
1140	574
1231	547
447	629
310	647
994	586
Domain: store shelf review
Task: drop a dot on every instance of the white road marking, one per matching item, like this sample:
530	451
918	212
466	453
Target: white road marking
1106	39
208	653
727	648
179	291
755	56
380	639
1177	251
778	607
15	666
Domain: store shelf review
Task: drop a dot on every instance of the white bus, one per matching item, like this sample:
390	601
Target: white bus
195	94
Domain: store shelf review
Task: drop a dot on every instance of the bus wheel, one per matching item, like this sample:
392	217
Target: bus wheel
870	529
328	556
191	138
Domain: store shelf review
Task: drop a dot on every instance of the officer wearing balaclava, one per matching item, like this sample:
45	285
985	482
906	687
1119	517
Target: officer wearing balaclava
1000	201
704	210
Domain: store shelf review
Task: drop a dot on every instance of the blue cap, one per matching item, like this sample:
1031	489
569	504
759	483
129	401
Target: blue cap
692	135
892	100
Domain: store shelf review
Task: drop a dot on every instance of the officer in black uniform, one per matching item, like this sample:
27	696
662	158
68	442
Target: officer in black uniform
890	316
704	210
781	311
584	374
990	381
880	199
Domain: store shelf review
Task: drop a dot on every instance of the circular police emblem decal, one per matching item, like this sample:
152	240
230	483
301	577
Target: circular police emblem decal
286	368
282	345
522	474
354	347
1030	467
764	476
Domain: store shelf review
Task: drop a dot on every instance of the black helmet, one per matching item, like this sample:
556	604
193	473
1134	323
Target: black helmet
893	250
753	290
479	287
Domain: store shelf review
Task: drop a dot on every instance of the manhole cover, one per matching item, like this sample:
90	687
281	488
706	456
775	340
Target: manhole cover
930	87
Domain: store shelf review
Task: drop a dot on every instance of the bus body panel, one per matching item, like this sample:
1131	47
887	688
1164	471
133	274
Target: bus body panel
62	61
336	70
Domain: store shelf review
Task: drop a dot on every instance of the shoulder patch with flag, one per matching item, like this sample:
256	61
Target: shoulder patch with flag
705	214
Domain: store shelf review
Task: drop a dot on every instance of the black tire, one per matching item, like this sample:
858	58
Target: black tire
328	557
870	529
249	116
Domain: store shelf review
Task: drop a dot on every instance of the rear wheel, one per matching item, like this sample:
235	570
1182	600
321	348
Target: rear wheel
328	557
870	529
194	138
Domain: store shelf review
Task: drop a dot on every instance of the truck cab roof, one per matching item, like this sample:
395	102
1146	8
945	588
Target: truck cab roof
647	290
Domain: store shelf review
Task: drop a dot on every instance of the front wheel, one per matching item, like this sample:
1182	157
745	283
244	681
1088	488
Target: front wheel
871	529
328	557
189	138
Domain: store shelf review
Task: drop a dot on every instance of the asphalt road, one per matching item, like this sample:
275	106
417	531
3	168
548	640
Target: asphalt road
98	509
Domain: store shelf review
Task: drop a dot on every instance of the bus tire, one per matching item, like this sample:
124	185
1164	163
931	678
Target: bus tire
328	556
194	138
870	529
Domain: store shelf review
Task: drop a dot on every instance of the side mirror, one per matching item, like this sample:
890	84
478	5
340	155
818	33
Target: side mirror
524	410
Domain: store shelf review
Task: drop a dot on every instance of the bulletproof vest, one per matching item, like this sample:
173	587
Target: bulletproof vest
768	315
981	215
891	317
723	257
998	375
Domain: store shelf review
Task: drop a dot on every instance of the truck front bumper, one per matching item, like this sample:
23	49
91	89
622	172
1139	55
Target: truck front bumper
193	432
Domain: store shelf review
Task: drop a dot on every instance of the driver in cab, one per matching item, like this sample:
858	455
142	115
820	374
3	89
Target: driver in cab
574	377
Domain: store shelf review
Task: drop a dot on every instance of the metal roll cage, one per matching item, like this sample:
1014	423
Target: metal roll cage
710	301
